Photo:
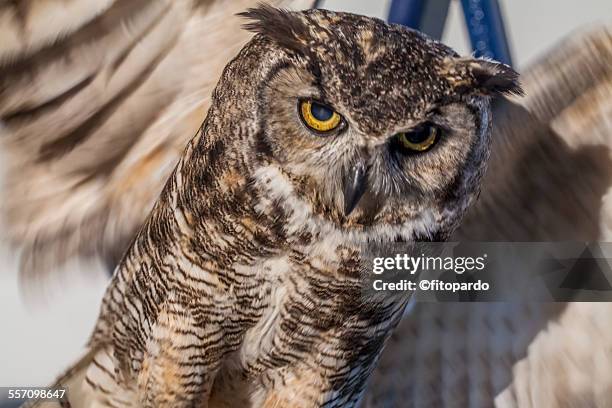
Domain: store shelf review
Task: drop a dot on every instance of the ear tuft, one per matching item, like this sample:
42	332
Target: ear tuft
282	26
482	75
496	78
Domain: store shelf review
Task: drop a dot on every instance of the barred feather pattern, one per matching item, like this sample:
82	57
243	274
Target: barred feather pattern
549	179
187	325
216	302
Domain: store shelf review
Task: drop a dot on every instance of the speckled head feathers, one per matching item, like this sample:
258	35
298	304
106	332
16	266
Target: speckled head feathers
360	37
390	86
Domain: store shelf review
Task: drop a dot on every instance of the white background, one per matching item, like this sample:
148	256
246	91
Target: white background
40	335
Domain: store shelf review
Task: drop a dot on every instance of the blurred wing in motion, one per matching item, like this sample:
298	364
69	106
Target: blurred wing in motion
97	101
548	179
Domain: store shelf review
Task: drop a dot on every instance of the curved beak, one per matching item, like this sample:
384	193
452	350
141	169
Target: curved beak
355	185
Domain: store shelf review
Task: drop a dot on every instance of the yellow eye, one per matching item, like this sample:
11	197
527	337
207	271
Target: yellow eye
419	140
319	117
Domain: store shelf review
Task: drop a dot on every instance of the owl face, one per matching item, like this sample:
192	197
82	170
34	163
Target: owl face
370	126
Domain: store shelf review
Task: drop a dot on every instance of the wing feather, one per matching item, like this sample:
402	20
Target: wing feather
28	25
95	113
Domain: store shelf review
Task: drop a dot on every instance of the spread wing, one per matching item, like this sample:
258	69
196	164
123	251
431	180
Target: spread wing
97	101
549	178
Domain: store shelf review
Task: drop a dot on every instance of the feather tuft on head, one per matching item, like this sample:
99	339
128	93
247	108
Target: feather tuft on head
482	75
279	25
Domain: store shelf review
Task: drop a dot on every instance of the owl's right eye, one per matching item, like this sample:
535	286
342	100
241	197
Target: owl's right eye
419	140
319	117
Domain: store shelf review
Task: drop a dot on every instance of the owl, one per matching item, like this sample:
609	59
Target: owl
327	133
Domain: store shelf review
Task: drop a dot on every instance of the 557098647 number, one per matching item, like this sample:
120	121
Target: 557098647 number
23	393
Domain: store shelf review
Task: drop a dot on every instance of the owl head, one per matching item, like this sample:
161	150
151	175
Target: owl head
347	123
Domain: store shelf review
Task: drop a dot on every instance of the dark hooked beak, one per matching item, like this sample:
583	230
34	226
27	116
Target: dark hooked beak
355	185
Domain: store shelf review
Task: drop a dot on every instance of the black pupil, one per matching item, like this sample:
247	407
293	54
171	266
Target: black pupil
321	112
419	135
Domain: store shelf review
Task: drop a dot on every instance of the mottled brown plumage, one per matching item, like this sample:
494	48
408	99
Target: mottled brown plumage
548	179
243	287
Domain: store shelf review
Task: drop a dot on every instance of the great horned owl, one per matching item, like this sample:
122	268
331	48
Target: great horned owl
327	132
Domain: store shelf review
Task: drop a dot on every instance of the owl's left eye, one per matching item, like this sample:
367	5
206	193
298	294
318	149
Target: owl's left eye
319	117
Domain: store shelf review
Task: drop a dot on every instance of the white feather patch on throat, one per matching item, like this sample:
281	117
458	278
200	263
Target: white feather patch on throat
301	217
